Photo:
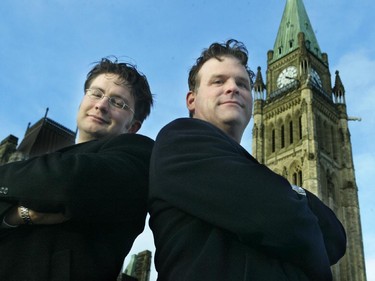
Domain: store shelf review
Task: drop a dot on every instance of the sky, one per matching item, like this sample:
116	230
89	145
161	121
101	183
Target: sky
48	46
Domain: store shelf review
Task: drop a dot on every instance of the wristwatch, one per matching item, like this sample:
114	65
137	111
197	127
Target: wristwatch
24	212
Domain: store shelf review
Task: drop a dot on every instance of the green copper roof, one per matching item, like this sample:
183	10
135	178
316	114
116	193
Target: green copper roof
294	21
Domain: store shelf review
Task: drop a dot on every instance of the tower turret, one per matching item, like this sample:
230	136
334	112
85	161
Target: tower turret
338	89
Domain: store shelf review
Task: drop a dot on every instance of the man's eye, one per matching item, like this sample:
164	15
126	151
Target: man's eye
118	102
218	81
96	94
244	85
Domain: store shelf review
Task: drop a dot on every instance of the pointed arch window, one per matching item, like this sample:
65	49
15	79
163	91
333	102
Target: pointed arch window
300	178
273	146
297	178
282	133
334	143
291	132
300	127
328	135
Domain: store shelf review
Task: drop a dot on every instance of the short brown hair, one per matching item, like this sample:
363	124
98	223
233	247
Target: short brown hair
135	80
231	48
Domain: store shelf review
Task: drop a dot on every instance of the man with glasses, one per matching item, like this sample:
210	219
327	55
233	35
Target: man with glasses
75	213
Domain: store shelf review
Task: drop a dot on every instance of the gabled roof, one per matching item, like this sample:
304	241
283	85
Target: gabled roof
294	21
45	136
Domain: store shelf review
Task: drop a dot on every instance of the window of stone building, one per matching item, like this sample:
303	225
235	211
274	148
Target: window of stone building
297	178
291	132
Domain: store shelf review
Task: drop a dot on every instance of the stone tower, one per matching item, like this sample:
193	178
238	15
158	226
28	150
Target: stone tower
138	267
301	128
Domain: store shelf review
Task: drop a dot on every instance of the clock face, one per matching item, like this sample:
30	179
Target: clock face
315	77
286	76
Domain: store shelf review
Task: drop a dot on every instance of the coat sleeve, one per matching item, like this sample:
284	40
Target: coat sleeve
197	169
105	184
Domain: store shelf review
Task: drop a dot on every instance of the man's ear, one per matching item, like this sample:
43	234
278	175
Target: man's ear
135	127
190	102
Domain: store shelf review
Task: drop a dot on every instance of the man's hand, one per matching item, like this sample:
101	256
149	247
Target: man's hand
14	217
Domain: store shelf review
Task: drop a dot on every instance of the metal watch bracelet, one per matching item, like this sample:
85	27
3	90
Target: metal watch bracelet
24	212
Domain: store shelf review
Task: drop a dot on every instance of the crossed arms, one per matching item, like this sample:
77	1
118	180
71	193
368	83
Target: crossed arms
197	169
91	182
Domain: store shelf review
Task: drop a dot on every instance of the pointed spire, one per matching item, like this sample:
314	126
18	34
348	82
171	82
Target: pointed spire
45	115
28	127
259	86
338	90
294	21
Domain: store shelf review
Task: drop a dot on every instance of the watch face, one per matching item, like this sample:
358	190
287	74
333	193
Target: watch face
315	77
286	76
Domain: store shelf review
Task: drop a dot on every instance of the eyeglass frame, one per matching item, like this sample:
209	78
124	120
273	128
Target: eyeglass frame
110	99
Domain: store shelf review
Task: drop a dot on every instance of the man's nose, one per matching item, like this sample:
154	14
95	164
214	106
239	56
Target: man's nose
103	103
232	87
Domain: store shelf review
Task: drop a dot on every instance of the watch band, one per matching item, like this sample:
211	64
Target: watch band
24	212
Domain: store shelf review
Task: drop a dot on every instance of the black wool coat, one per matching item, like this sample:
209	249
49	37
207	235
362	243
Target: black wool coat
217	214
101	185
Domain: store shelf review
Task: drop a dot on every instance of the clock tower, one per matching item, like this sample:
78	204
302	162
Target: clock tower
301	128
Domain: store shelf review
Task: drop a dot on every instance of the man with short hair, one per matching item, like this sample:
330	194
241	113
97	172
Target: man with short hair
216	213
75	213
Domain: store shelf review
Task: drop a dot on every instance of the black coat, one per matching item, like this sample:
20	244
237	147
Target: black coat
101	185
217	214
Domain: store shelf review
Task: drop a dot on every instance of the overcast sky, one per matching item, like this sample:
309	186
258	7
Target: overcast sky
48	46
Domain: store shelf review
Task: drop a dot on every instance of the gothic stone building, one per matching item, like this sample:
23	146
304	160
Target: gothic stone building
301	128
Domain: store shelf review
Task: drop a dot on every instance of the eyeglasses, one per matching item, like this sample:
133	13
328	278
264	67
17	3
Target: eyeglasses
117	102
